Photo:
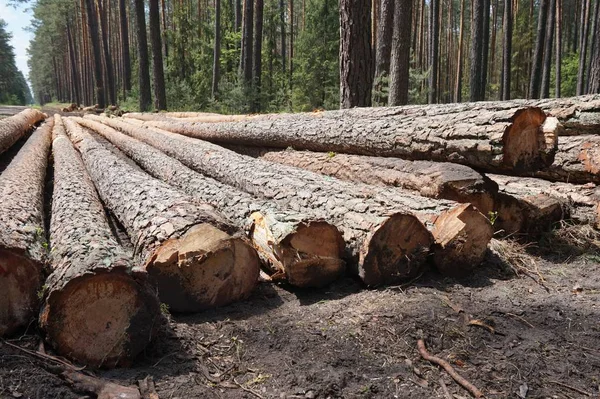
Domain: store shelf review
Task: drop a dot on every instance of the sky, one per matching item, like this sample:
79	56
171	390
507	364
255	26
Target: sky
17	19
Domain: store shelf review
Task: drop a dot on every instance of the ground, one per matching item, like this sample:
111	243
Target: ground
346	341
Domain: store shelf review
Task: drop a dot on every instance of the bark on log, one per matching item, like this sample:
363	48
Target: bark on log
98	310
22	232
207	118
577	161
454	227
305	251
577	202
430	179
515	139
14	127
187	248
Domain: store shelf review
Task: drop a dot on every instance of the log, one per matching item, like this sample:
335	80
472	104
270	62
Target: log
191	252
303	250
577	202
14	127
98	309
198	117
22	233
577	161
430	179
461	232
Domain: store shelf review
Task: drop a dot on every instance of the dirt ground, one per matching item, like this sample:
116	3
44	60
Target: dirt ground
349	342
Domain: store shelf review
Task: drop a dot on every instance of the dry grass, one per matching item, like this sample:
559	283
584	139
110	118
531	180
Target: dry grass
569	239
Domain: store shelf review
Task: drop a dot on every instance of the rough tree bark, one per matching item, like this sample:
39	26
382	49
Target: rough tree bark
400	63
507	50
125	57
385	244
142	44
516	139
583	41
160	97
550	22
538	55
434	41
356	64
16	126
92	21
383	49
186	247
303	250
22	233
247	34
98	310
217	50
476	51
594	78
257	53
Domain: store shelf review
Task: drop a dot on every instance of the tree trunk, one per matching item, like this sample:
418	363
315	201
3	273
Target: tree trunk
558	55
22	232
538	55
247	35
73	63
515	139
304	250
400	64
257	54
98	310
283	40
593	43
507	50
550	22
383	50
160	97
577	161
143	67
108	67
16	126
186	247
385	244
125	57
583	39
434	40
238	15
476	51
485	48
459	67
594	77
217	50
356	66
92	20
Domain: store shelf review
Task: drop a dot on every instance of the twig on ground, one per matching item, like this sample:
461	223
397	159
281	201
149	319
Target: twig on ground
571	388
520	319
445	389
252	391
449	369
44	356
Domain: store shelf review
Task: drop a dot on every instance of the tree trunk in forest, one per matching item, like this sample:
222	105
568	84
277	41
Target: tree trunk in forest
459	60
125	57
283	35
143	63
583	40
108	61
186	247
507	51
73	63
217	51
160	97
98	309
538	55
304	250
16	126
558	55
247	35
22	232
383	50
515	139
434	40
476	69
356	66
385	244
92	21
485	49
550	22
593	43
238	15
257	54
400	63
594	76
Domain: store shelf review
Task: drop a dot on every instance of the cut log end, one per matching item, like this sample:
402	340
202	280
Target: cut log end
101	320
395	252
466	192
20	280
530	141
530	215
204	268
461	239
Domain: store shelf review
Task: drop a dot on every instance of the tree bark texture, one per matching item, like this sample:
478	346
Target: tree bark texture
356	66
594	78
98	310
143	64
257	53
434	42
383	49
538	55
247	35
125	56
550	22
186	247
16	126
92	20
400	63
160	97
514	139
507	50
22	233
217	50
305	251
476	51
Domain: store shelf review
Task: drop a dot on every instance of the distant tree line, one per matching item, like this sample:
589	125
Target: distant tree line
273	55
13	86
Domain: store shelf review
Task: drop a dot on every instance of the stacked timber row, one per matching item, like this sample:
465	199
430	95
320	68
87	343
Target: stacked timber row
460	232
514	139
22	233
98	309
16	126
191	252
304	250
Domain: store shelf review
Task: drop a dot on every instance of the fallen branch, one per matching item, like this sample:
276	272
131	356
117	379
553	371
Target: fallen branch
253	392
44	356
571	388
449	369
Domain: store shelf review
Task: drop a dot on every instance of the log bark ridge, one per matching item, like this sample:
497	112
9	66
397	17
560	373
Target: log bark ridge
14	127
97	310
190	251
577	161
514	139
304	251
346	204
22	233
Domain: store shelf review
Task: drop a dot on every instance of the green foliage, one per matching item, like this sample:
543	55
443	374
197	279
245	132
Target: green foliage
13	87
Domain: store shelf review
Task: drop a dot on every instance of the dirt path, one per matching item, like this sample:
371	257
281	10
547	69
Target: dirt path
346	342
